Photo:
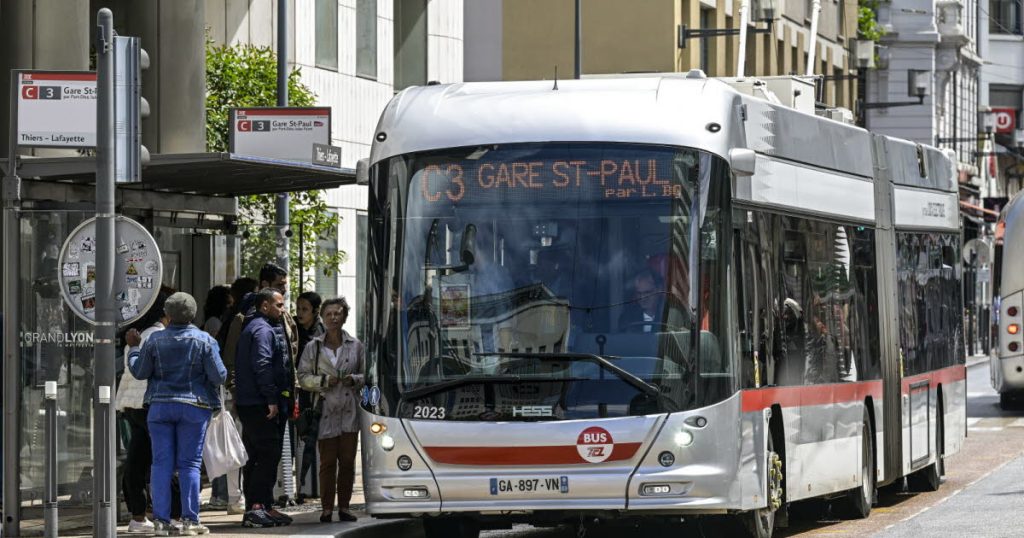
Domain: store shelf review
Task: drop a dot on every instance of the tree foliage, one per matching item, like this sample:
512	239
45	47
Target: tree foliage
246	76
867	21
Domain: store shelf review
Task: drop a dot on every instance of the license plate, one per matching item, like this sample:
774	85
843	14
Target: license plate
547	484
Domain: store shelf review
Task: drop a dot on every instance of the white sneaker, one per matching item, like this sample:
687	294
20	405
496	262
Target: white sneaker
193	528
164	529
144	526
237	508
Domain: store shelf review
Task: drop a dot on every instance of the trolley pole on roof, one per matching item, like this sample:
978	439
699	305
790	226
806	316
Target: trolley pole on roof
579	42
281	202
104	502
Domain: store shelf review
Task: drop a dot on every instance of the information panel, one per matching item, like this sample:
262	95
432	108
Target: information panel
56	109
286	133
137	273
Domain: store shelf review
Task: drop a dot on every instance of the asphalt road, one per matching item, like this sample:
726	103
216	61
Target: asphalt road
984	484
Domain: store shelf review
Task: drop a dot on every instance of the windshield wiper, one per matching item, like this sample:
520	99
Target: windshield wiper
448	384
625	375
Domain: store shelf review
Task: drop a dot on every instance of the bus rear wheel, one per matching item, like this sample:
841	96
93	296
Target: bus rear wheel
451	527
760	523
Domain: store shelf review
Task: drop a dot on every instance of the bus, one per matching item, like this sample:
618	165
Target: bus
1006	365
663	296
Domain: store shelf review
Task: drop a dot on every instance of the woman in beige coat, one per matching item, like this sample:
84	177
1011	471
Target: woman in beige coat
331	367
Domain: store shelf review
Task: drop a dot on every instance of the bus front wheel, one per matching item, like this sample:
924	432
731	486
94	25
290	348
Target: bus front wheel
760	523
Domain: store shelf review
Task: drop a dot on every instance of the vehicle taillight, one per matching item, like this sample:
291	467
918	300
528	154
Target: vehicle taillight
1013	328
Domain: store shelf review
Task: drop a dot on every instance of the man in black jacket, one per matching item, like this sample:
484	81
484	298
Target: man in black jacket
264	381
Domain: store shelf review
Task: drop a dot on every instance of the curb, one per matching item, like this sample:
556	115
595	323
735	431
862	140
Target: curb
975	360
384	528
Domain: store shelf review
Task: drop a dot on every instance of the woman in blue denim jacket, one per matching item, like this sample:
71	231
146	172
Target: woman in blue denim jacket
183	367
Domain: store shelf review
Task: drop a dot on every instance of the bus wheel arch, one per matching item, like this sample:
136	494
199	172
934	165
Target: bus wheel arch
761	522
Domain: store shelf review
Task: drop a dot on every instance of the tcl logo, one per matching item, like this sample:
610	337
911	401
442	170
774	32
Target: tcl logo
594	444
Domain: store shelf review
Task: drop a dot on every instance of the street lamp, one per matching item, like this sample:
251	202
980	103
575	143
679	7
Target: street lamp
918	84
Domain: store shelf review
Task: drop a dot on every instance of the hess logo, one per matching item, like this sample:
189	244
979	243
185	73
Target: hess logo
595	444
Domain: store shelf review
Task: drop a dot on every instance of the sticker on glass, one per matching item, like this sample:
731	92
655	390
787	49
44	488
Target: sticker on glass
70	269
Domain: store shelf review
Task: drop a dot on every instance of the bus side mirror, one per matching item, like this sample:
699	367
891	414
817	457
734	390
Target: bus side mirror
743	161
363	172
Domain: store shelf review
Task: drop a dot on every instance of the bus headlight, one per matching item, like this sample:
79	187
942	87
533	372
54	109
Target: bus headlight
387	442
684	438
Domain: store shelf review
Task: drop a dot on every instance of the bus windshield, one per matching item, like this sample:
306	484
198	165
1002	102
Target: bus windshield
561	281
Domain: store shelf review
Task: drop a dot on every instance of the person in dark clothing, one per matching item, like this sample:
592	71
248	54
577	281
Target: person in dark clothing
264	382
646	311
309	325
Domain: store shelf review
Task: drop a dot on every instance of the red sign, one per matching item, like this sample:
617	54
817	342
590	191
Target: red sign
595	444
1006	120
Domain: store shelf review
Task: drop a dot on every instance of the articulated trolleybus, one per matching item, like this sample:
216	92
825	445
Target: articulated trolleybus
652	297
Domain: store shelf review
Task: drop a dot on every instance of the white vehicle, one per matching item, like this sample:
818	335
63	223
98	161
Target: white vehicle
1007	364
652	297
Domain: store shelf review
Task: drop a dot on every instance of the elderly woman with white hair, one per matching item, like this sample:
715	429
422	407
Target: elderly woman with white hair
183	367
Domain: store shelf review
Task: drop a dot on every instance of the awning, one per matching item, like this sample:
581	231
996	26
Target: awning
208	174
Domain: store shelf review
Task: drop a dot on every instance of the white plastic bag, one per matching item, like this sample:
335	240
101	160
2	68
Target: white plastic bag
223	450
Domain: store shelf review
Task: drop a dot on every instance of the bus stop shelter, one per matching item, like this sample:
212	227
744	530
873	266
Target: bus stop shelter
187	202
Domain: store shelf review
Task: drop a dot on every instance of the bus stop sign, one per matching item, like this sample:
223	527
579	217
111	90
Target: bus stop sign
137	274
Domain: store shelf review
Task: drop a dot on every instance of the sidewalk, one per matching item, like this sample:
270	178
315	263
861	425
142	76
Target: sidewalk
307	523
976	359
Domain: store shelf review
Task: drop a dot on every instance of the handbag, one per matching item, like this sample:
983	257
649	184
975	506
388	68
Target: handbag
308	423
223	450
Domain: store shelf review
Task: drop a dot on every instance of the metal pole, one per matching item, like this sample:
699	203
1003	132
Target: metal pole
579	42
50	500
302	258
104	470
12	359
281	202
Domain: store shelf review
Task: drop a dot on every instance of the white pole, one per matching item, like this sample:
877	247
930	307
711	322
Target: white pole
813	42
744	19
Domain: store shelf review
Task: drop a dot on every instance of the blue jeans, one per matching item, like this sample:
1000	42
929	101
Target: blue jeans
178	431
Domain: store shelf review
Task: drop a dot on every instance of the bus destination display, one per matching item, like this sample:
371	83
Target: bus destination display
556	178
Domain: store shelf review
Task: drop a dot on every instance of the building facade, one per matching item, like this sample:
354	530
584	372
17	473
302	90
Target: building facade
935	43
530	39
1001	29
354	55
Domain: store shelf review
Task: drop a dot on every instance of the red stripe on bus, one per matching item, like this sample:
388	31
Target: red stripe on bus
758	399
935	378
281	112
522	455
58	76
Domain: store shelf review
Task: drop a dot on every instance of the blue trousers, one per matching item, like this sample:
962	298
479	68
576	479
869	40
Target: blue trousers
177	431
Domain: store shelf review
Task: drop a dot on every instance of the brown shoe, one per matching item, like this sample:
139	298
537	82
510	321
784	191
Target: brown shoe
345	515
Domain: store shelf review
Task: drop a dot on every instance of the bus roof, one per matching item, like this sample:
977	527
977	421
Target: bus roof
668	110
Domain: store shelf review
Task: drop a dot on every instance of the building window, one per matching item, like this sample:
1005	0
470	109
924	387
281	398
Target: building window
327	34
410	43
706	22
327	285
366	38
1004	17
